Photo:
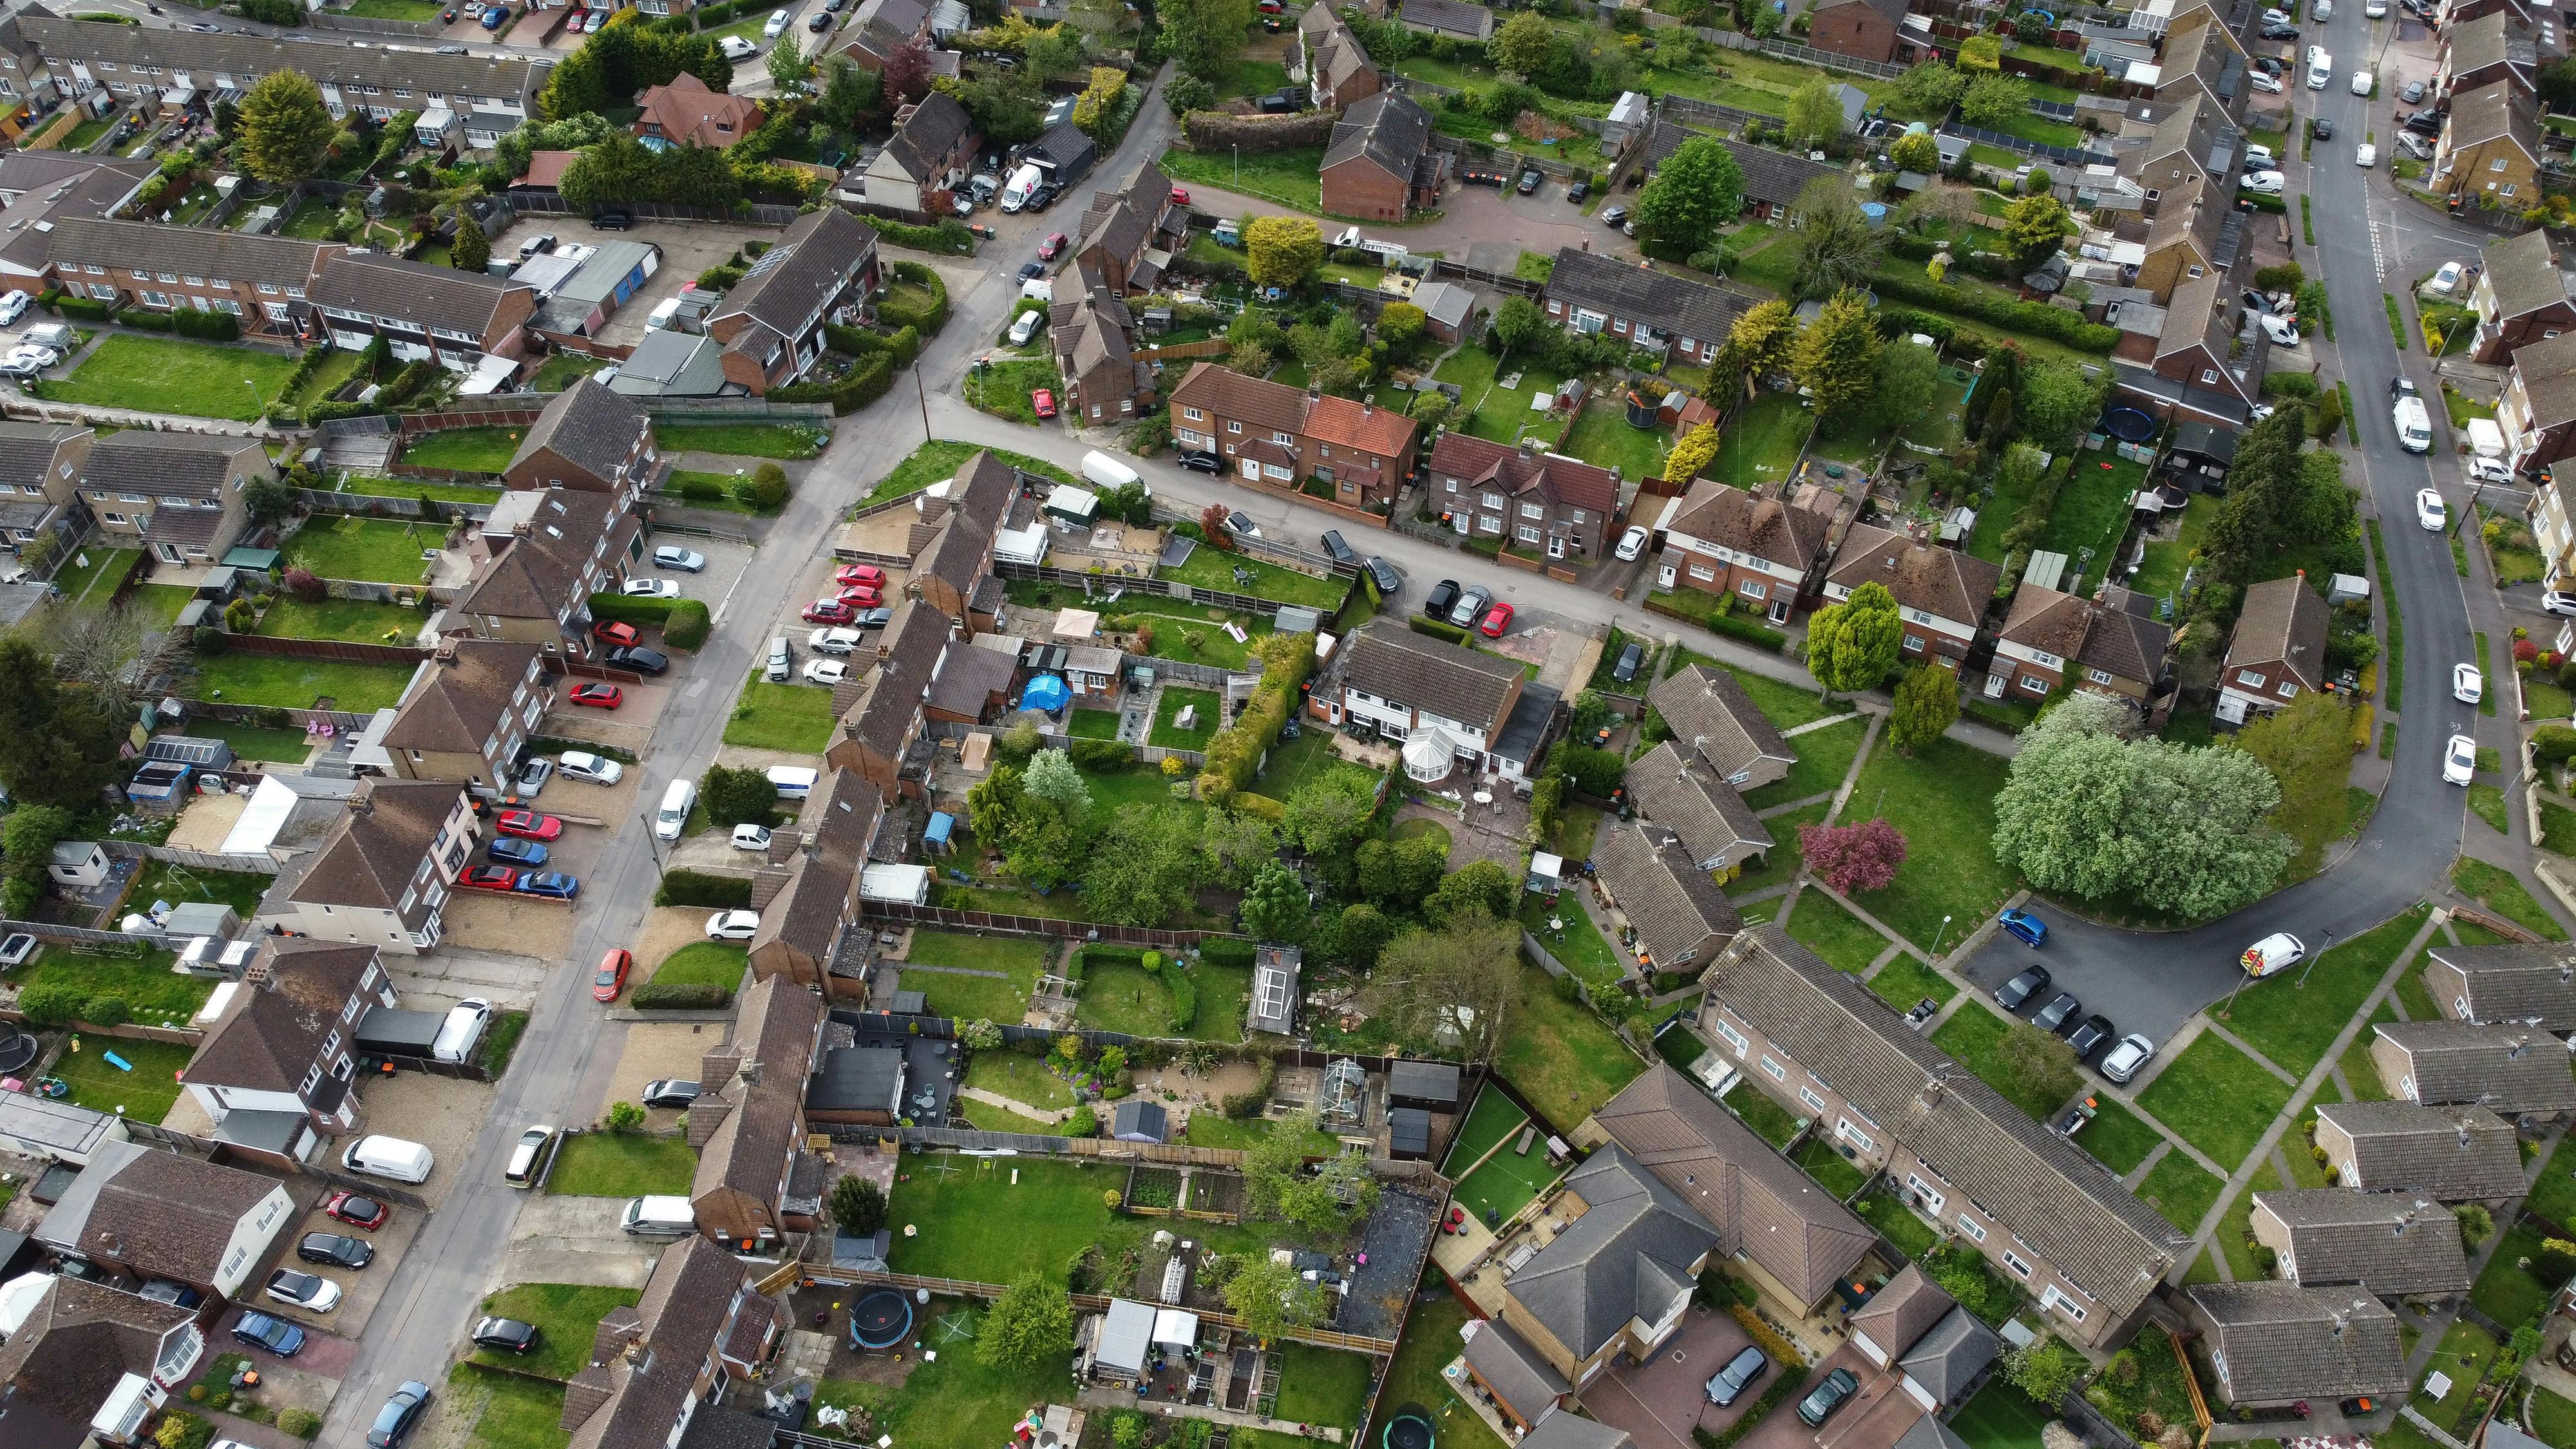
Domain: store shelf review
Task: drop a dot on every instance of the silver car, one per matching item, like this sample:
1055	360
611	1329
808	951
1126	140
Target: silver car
1471	606
672	556
2128	1057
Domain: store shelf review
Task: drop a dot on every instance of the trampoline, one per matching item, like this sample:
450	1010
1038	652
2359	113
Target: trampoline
18	1050
880	1320
2129	425
1409	1429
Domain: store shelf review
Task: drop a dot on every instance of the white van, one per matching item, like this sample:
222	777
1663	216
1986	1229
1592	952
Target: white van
1038	289
2320	69
531	1149
1107	471
388	1157
677	797
2414	424
659	1217
793	782
662	315
463	1028
1024	183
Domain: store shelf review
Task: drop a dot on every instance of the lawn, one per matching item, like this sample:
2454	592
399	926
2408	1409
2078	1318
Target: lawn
1563	1059
1764	443
793	717
938	461
274	679
372	550
466	450
604	1164
1167	628
1121	996
1824	757
2359	1071
106	568
564	1315
1943	797
145	1093
2295	1027
2413	994
1491	411
351	621
1292	178
955	1401
1900	1224
969	998
1020	1078
1780	864
2507	1292
1601	435
993	1219
2181	1189
2553	1420
1323	1386
2160	574
1845	941
2553	1196
1970	1036
1211	568
1490	1120
704	963
2001	1417
157	606
787	441
1769	1120
1568	933
2118	1138
2499	891
2231	1228
2466	1353
153	992
1003	388
250	742
1094	724
1507	1181
564	369
1834	1173
2093	508
1167	732
1247	76
161	880
166	375
2216	1098
1905	980
516	1413
362	484
1414	1375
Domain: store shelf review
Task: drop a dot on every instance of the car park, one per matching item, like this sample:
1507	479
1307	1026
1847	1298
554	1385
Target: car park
2022	988
2060	1010
2273	954
1444	595
516	852
1498	621
733	925
507	1335
554	885
642	661
2468	686
1470	606
2127	1057
533	776
527	825
401	1412
2460	760
1828	1396
356	1210
303	1290
672	556
1631	543
2430	511
2086	1036
668	1092
610	978
1729	1383
278	1336
335	1250
2024	927
826	672
592	769
487	878
642	588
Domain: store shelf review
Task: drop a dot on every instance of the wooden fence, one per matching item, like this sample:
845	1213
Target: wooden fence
260	864
1087	1302
337	649
950	918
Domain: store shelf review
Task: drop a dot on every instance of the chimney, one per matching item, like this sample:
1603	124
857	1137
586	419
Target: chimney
1368	410
1314	392
362	803
446	652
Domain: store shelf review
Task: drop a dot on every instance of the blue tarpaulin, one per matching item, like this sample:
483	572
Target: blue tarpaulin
935	836
1045	692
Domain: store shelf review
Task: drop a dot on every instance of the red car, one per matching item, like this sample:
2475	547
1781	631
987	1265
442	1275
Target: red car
356	1211
600	696
1497	621
621	635
612	974
867	574
527	825
1054	243
829	611
861	596
1044	402
1180	197
489	878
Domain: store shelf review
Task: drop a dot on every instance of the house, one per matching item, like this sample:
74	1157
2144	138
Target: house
879	28
2454	1154
467	714
688	113
803	929
260	280
1773	180
2489	153
1679	790
1562	1428
67	189
40	468
25	81
878	730
154	1213
1381	165
2494	47
1535	501
464	321
2528	985
931	155
698	1330
2389	1243
755	1123
948	572
2114	647
2183	149
2277	1344
93	1365
1094	337
1273	1004
1409	686
1614	1281
2200	348
2508	1069
1524	1387
1767	549
2201	57
1589	292
590	438
1128	237
382	869
2193	233
1913	1329
1707	706
1864	30
1941	594
975	687
1279	436
2046	1214
539	557
2538	417
1450	19
2278	649
2524	12
1678	913
1336	69
177	495
2521	297
276	1068
821	271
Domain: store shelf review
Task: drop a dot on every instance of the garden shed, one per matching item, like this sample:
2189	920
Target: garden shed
1137	1120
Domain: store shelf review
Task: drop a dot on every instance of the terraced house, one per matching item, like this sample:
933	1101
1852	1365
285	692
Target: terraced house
538	559
178	495
463	321
1707	709
2495	48
1282	437
590	438
2521	297
1591	293
1767	549
2201	57
264	281
771	324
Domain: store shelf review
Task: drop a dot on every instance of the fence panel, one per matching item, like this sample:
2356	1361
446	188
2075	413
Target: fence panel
261	864
2063	155
381	505
1690	108
1152	588
342	650
551	203
340	720
950	916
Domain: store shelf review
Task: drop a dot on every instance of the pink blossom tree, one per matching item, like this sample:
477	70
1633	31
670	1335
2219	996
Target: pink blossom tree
1853	858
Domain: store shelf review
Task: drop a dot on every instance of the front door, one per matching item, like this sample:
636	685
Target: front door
1664	577
1251	469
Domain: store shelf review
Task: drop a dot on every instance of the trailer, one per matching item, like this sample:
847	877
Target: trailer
387	1031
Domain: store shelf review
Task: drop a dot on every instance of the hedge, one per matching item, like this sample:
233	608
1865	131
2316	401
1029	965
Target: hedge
2036	319
1176	981
84	308
925	320
678	996
1671	606
1226	951
866	381
304	366
1784	1387
1438	628
619	609
903	345
696	888
946	236
1234	754
688	624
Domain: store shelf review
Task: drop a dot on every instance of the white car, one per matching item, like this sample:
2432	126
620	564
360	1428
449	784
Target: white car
40	356
733	925
2365	155
826	671
650	588
2558	602
2124	1060
2430	511
2278	17
687	561
2488	470
2375	10
833	641
2282	331
583	765
2274	953
2263	183
2460	760
750	837
2468	686
2362	81
777	25
312	1293
1632	543
2321	11
2268	84
2445	280
12	307
737	48
1025	328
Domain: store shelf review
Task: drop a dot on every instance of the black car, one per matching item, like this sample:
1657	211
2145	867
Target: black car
399	1414
1443	595
611	221
1200	460
1529	182
1729	1383
820	22
2280	32
670	1092
2401	386
2321	128
177	1295
2089	1035
1278	103
1389	582
876	618
1578	191
334	1249
2022	988
506	1334
642	661
276	1335
2423	123
1030	271
1828	1396
1629	659
2269	65
2060	1009
1340	551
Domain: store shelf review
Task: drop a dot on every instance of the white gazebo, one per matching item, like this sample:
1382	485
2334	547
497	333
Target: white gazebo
1429	755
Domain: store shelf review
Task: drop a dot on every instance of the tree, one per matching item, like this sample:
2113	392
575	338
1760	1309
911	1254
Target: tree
1360	932
1981	53
1813	114
1838	247
1212	522
1524	45
1328	812
1481	885
1916	151
1331	1200
472	250
2038	1064
285	128
1862	856
1204	36
1695	191
1055	51
905	73
2308	749
57	746
2476	1224
1051	777
1031	1324
1851	645
2056	401
858	1205
768	486
738	796
1692	452
1270	1298
624	1117
1401	324
1274	904
1144	867
2557	83
789	70
268	500
1282	251
28	837
2035	227
2045	1370
849	93
1995	100
1237	845
1927	702
1837	355
1930	88
1908	376
1518	323
1399	875
1453	989
1761	341
1939	204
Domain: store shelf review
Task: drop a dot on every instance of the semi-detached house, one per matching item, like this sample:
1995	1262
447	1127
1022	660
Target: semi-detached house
1535	501
538	559
1279	436
383	869
1588	292
277	1067
2278	651
1941	593
1405	685
1768	551
40	467
470	710
262	280
93	1364
2490	152
2114	646
177	495
591	438
771	324
2538	416
2521	297
157	1214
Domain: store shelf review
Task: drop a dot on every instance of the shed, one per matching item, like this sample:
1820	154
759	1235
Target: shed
909	883
1175	1328
1408	1134
159	784
1138	1120
1546	873
78	863
1076	506
936	836
2344	588
1297	619
1432	1085
1125	1338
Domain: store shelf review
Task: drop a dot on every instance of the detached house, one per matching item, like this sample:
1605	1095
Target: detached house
1678	789
2521	297
1614	1281
262	280
2455	1154
538	559
471	708
1941	594
880	727
2507	1069
1766	549
1094	337
2489	154
2389	1243
40	469
2277	1344
1446	704
1534	501
1128	237
591	438
177	495
1588	292
464	321
2114	647
879	28
673	1356
154	1213
1381	164
2494	48
1678	913
689	113
1868	30
2523	985
93	1365
382	870
2277	651
1280	436
1335	67
1707	709
931	155
771	324
276	1067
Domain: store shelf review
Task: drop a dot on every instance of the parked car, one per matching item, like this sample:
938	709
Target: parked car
1389	582
777	25
2262	183
1498	622
1042	402
1471	606
2442	281
2363	82
861	596
1240	524
826	611
2128	1057
614	634
2413	94
1337	548
612	221
278	1336
641	660
12	307
672	556
1631	656
335	1250
1529	181
2023	987
1055	242
2060	1009
589	768
859	575
2460	760
1828	1396
733	925
610	978
508	1335
533	776
1444	594
1611	216
747	836
597	696
737	48
527	825
2558	601
1200	460
2426	123
509	851
487	878
1729	1383
826	672
2320	129
2273	954
356	1210
2088	1035
2468	685
303	1290
554	885
833	641
403	1410
2265	81
640	588
819	21
2280	32
1631	543
2024	927
668	1092
2282	331
177	1295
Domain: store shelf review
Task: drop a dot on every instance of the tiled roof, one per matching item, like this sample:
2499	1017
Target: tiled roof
2497	110
818	256
1451	17
2509	982
535	575
1553	477
1768	528
2471	45
371	853
414	292
2508	1068
1525	1382
1628	1256
1707	708
1940	581
189	250
26	237
1252	401
273	1031
2278	1342
850	810
2547	370
1903	1310
141	461
590	425
2126	640
2454	1153
2046	620
1677	789
1773	177
896	687
775	1030
1123	222
2282	621
1390	661
161	1214
78	1341
2389	1242
2523	274
1565	1429
1669	304
462	697
687	112
28	450
1338	55
245	58
684	1306
1390	131
1951	1356
927	135
1340	422
1679	914
748	1153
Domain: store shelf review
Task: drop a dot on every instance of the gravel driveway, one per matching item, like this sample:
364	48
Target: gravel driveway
440	1113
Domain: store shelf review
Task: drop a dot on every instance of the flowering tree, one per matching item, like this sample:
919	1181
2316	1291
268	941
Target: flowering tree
1853	858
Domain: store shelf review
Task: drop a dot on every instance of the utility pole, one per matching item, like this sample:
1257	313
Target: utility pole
924	399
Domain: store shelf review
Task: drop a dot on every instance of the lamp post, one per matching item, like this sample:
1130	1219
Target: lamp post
1937	935
259	404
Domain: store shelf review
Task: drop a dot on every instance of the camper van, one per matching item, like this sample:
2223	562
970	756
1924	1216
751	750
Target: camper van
677	797
793	782
1023	185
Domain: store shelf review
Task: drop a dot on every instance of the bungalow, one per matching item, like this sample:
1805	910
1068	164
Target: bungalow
1381	165
460	320
2278	1344
470	710
1766	549
1279	436
591	438
1533	500
1679	790
1941	594
2389	1243
2117	644
2489	154
1445	703
154	1213
1678	913
687	112
537	560
382	869
821	272
2527	985
1447	19
1589	293
1773	180
92	1364
931	155
1331	60
177	495
1707	706
2521	297
2278	649
2454	1154
2494	48
2507	1069
275	1068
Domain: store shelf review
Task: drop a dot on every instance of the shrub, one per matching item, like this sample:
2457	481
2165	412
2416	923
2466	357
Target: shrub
52	1003
617	608
210	641
696	888
1227	950
948	235
1101	755
1438	629
107	1009
738	795
680	996
1083	1123
2554	744
302	1423
304	585
864	384
926	319
858	1205
687	624
624	1117
767	488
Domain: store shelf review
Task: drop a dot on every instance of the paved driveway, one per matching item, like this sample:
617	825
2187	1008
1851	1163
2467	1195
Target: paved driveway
1659	1403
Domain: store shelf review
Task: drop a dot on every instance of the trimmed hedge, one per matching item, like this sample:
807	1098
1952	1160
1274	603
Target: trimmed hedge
1226	951
1672	607
619	609
946	236
82	308
697	888
688	624
924	320
1234	754
2033	318
866	381
903	345
678	996
1438	628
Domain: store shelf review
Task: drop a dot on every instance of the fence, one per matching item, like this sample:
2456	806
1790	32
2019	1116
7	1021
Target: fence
1444	267
265	715
380	505
1488	152
367	25
1149	587
260	864
341	650
954	919
1213	347
1089	1303
2063	155
681	409
551	203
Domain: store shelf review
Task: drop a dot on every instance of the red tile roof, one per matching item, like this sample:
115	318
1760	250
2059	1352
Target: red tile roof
1382	431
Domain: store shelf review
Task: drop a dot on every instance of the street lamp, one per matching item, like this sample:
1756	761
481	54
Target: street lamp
258	404
1937	935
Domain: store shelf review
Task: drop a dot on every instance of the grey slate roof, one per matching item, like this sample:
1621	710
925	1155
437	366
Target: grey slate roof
1707	708
1948	1358
1390	130
2509	982
27	453
2454	1153
1389	660
413	292
818	256
245	58
2388	1242
2276	1342
1423	1081
1064	148
1679	913
188	250
1138	1120
1673	305
2523	274
1449	17
929	133
1565	1429
137	461
671	363
2508	1068
1679	791
1629	1255
592	426
1525	1382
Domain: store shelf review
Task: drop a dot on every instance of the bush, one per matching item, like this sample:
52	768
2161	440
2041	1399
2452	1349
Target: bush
624	1117
679	996
738	795
209	640
767	488
696	888
863	384
1100	756
304	585
302	1423
107	1009
2554	744
687	624
1235	752
1084	1122
2036	319
617	608
52	1003
948	235
1227	950
1438	629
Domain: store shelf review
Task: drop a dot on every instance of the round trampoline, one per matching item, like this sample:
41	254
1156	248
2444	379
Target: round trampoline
1410	1428
2129	425
18	1050
880	1320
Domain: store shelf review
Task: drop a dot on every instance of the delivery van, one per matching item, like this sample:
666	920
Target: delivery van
1024	184
793	782
388	1157
677	797
659	1217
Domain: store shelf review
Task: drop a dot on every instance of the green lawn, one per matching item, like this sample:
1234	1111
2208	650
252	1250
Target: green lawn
2499	891
2294	1027
274	679
972	997
1121	996
704	963
2413	994
2118	1138
793	717
250	742
1824	757
1094	724
955	1401
161	880
152	991
145	1093
1492	1118
2553	1420
1833	1172
938	461
467	450
1575	942
1943	799
2359	1071
2507	1292
1212	568
106	568
1780	864
1774	1123
1003	387
2216	1098
1323	1386
372	550
604	1164
1020	1078
2466	1353
1563	1059
1970	1037
1167	733
564	369
1414	1375
1602	436
157	606
1167	628
1900	1224
2181	1189
166	375
1491	411
1845	941
996	1218
1764	443
2160	575
1508	1180
1291	178
788	441
564	1315
2001	1417
361	484
516	1413
2553	1196
1905	981
351	621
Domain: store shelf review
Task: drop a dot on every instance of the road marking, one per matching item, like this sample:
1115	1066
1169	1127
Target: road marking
2378	256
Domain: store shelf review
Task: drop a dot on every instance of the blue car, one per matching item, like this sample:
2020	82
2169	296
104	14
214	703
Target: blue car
495	18
517	852
2024	927
274	1334
552	883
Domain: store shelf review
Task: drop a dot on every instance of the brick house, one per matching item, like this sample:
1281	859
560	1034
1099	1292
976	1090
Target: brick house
2277	1344
2494	48
1279	436
2521	12
800	933
771	324
2521	297
382	870
1865	30
2277	651
688	113
2194	235
1128	235
1403	684
262	280
881	725
40	468
1707	708
2538	417
1094	337
949	572
879	28
2489	154
1331	60
1534	501
1941	594
2114	647
2509	1068
2385	1243
468	713
158	1214
1588	292
176	495
280	1055
2454	1154
1678	914
931	155
590	437
671	1358
1773	180
537	560
457	319
1381	165
1766	549
2202	57
749	1119
93	1364
1677	788
2511	982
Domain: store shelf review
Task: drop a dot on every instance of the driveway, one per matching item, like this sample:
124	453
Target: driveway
360	1289
324	1355
1660	1402
1469	214
442	1114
